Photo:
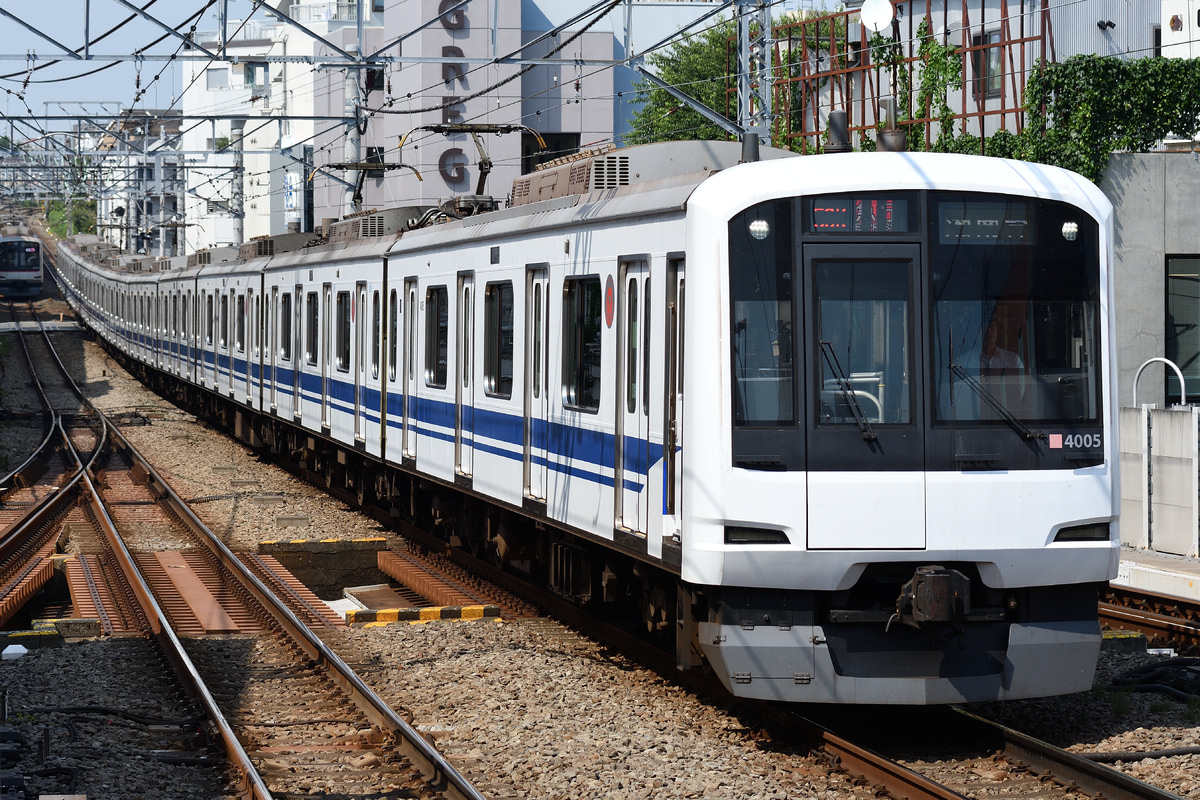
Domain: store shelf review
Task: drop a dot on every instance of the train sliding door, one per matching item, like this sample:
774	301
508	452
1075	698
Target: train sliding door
464	393
537	388
360	357
410	371
632	461
672	464
326	353
863	392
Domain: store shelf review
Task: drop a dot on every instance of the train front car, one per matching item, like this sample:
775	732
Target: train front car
914	497
20	262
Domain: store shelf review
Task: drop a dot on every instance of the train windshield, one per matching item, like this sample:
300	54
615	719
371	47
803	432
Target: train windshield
862	322
20	255
1015	310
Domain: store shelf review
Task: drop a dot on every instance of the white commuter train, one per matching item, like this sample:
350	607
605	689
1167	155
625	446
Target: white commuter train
20	259
840	426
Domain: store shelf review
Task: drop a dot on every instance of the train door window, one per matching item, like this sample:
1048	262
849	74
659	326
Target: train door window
312	316
208	317
437	335
297	322
224	332
466	317
393	333
240	338
583	325
632	340
646	350
498	339
183	309
285	327
537	340
864	321
342	332
256	330
412	333
175	316
376	330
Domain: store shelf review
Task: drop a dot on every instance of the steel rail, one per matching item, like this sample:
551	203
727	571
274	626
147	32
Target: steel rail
442	776
250	783
45	509
1069	769
7	481
896	779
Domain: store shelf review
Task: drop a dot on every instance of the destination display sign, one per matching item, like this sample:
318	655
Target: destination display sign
984	223
859	213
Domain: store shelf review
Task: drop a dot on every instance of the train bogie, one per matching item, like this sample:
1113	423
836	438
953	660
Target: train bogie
841	427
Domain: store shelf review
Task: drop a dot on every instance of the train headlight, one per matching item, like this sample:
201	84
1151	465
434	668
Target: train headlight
1096	532
760	229
1070	230
737	534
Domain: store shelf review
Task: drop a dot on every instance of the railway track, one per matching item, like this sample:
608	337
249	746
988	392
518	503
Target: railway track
1166	620
287	712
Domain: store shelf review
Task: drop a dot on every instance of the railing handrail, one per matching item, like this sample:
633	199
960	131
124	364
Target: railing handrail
1172	365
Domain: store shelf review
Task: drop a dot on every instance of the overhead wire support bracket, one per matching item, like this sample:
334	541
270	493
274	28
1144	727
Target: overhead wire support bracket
170	29
712	116
36	32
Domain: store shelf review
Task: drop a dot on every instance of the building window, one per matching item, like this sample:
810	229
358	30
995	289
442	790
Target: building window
1183	325
583	303
498	339
255	76
375	156
437	328
987	64
217	78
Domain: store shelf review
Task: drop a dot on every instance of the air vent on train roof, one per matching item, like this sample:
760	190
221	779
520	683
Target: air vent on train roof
610	172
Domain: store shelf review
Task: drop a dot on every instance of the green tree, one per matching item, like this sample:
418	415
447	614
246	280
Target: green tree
83	211
698	66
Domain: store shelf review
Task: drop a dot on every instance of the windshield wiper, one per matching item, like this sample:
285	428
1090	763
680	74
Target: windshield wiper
1017	425
864	427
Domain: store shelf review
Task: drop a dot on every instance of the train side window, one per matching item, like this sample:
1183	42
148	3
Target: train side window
224	332
437	336
342	332
312	315
285	327
376	330
393	333
583	303
498	339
